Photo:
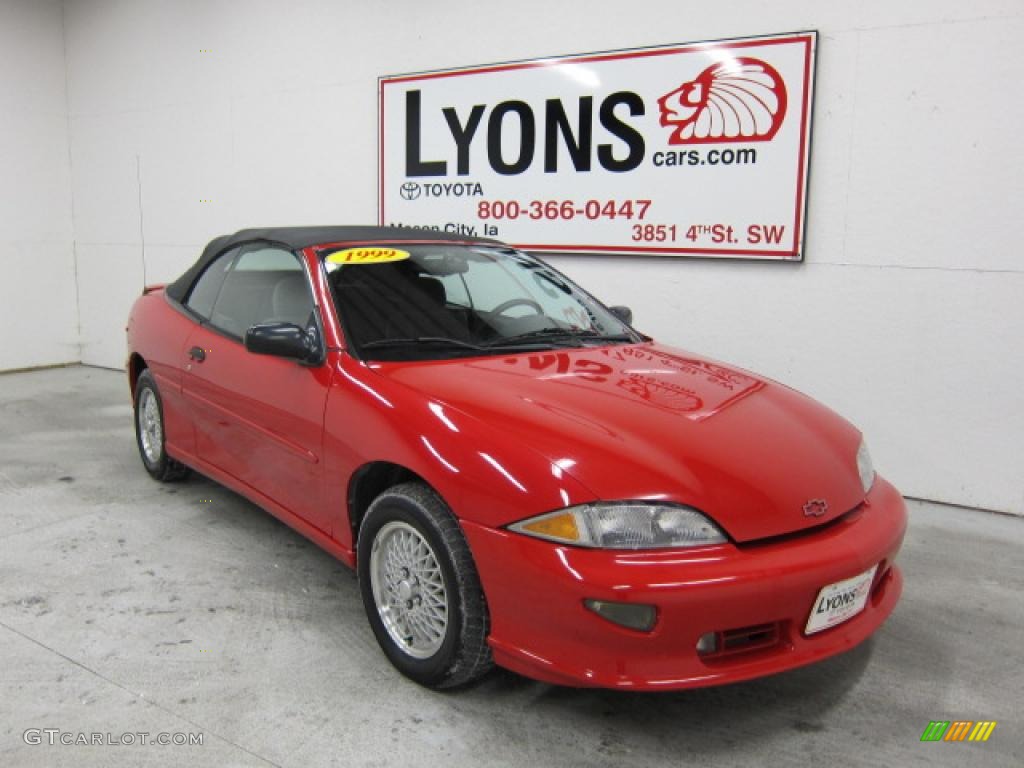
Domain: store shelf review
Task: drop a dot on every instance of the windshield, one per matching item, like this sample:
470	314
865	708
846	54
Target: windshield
428	301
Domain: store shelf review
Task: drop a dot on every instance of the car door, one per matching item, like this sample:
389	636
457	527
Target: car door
259	418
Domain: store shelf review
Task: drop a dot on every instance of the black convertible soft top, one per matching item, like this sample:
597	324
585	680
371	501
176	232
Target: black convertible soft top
296	238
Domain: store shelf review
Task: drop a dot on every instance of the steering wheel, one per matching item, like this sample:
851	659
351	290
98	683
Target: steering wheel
507	305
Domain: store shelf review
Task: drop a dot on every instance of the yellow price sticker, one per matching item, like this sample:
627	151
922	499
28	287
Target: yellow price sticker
367	256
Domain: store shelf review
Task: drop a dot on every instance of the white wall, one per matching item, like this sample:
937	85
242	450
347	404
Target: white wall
38	314
906	316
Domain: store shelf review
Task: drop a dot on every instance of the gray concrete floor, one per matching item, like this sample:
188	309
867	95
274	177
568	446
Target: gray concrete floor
131	606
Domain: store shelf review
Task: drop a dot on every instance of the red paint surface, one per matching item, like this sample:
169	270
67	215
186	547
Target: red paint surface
505	438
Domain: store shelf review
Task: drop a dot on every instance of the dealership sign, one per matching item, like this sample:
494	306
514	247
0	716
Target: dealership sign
697	149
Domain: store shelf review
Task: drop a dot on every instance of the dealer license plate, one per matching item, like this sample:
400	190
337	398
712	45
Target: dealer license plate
840	602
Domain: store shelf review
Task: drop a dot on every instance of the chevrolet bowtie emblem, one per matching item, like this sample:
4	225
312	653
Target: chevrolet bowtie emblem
815	508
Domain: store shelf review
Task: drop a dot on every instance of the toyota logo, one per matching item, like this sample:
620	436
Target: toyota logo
410	190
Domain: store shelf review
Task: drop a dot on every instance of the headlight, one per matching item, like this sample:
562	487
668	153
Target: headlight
624	525
864	467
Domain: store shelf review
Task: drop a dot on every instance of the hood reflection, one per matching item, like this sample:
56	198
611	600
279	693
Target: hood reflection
696	389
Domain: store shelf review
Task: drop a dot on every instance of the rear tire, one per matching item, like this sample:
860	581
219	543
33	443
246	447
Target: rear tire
149	432
421	590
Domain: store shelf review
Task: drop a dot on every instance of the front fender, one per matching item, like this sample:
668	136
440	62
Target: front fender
485	476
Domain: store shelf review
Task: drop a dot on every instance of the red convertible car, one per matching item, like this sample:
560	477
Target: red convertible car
517	475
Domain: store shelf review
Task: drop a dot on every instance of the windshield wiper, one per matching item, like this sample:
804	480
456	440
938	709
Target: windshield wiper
560	334
420	340
442	341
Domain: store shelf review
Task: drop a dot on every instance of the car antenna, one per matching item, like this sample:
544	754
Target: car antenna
142	232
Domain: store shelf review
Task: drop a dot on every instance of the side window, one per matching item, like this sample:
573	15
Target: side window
490	284
263	259
204	292
455	290
265	284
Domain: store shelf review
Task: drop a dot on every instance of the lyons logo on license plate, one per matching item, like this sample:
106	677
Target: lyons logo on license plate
841	601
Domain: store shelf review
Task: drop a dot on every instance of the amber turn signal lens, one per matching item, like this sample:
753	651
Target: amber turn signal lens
562	527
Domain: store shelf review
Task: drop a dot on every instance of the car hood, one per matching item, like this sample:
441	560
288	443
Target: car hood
647	421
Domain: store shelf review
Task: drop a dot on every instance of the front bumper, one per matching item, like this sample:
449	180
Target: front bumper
540	628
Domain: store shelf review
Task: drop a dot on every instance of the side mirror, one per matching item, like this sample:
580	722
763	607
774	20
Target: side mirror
283	340
625	314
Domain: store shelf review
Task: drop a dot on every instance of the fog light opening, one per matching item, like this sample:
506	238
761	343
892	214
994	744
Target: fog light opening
707	644
629	615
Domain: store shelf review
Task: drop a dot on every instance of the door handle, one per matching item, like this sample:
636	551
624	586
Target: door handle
197	353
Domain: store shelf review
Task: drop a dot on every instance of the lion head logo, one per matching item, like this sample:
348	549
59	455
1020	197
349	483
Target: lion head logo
741	99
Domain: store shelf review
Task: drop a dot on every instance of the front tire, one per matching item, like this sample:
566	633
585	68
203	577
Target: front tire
149	432
420	589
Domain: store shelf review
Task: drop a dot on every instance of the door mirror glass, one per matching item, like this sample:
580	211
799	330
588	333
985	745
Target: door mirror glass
283	340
